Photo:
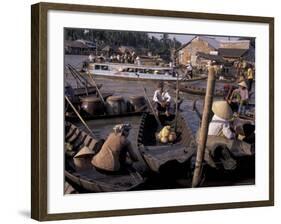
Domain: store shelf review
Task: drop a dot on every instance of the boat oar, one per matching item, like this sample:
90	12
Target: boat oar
194	108
149	103
151	107
79	116
95	84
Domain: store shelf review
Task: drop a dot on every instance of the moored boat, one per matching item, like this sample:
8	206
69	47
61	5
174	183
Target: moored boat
135	72
196	90
92	107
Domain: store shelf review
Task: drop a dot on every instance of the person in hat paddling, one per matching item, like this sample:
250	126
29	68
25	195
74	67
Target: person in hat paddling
162	100
113	155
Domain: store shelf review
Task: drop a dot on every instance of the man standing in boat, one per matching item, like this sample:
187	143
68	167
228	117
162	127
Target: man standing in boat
162	99
113	155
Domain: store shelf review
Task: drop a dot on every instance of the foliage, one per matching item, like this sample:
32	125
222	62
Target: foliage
141	41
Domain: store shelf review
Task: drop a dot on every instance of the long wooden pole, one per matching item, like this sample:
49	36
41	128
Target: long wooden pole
95	84
177	103
149	103
79	116
204	127
78	78
86	82
151	107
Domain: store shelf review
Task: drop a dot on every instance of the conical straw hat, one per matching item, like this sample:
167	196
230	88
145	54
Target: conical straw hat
222	110
85	151
243	84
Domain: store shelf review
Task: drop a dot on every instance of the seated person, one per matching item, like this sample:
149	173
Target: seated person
112	156
221	132
162	99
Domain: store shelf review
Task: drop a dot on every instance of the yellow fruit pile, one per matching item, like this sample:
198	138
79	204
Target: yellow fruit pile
167	135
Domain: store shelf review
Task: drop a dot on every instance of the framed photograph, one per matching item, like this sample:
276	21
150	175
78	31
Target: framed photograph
139	111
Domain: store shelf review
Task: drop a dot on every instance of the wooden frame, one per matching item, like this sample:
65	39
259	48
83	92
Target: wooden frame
39	110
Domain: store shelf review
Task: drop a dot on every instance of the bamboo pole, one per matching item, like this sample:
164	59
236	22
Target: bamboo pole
151	107
79	116
177	103
204	127
86	82
95	84
149	103
78	78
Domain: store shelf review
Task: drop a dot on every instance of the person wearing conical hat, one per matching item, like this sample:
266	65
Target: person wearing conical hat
244	97
239	98
162	99
220	125
222	137
113	155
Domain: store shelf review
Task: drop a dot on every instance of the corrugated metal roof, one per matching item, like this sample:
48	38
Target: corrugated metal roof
211	41
232	53
211	57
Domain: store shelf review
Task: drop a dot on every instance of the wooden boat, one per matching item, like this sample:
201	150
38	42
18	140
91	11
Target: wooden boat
183	87
83	91
91	107
85	178
156	154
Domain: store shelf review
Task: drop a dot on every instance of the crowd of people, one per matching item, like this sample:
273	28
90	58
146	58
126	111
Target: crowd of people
126	57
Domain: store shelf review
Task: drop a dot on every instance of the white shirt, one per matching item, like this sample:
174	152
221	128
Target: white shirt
189	67
164	97
220	126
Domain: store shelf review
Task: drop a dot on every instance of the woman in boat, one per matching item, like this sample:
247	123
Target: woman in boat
162	100
221	132
113	155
